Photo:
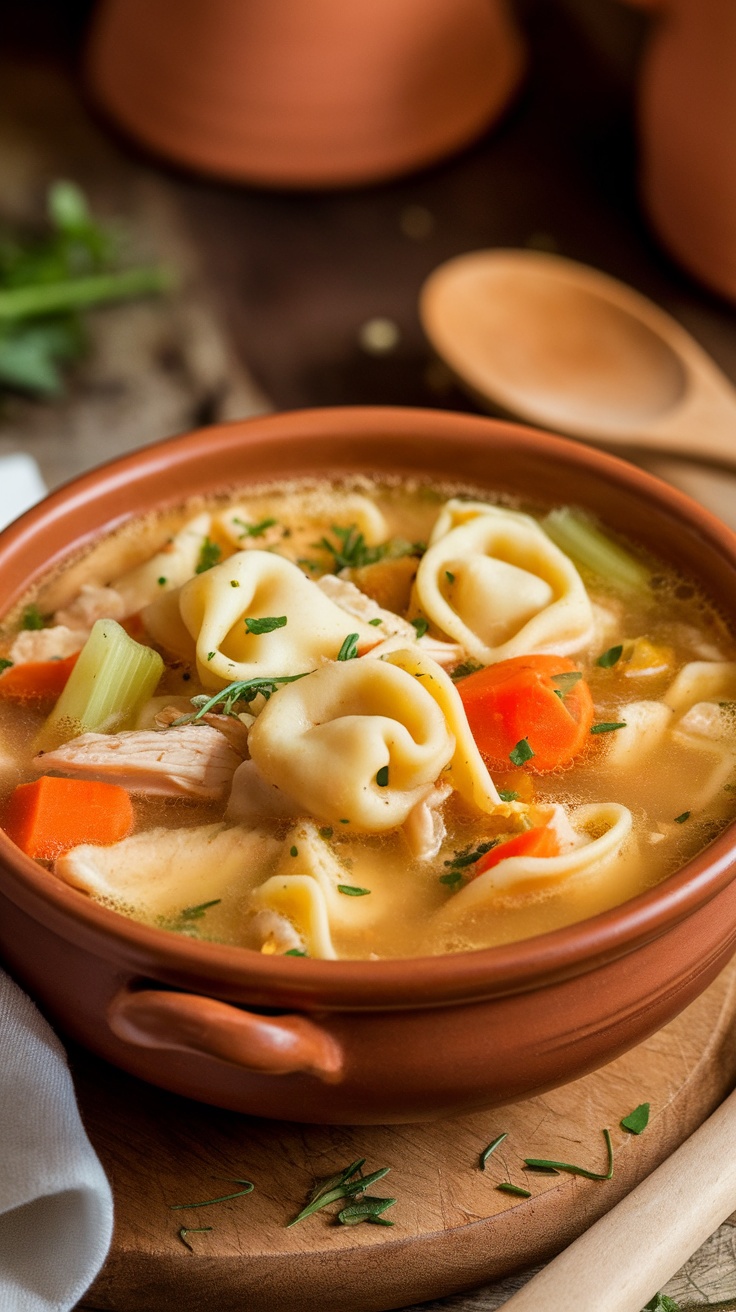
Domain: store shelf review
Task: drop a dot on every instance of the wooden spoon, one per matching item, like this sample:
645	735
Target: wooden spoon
567	347
621	1262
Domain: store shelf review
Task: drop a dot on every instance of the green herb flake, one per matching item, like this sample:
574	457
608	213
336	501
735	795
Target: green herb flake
253	530
209	554
521	753
211	655
326	833
349	649
680	819
507	795
344	1184
637	1120
196	913
32	618
421	625
542	1164
296	952
266	624
663	1303
492	1146
293	851
234	583
352	890
611	657
465	668
452	878
344	822
5	664
192	1230
210	1202
449	576
382	777
608	726
376	621
162	581
506	1187
467	856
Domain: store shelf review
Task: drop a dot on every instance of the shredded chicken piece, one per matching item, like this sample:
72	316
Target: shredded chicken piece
190	761
275	934
424	828
92	603
46	644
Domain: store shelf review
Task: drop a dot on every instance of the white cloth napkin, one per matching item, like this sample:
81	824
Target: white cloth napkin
55	1201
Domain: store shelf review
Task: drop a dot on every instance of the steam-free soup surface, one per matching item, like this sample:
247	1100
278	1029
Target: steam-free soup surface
366	721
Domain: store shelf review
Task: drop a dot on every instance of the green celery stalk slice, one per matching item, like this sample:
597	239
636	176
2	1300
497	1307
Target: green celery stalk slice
586	545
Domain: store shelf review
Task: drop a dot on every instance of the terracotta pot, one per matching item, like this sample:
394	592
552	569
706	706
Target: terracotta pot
364	1041
304	92
687	134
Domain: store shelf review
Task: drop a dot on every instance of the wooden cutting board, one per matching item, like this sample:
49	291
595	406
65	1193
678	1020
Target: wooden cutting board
453	1230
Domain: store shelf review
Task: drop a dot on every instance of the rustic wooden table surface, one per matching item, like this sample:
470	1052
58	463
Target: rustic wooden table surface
277	288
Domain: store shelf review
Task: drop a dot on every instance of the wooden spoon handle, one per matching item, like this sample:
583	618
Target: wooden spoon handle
627	1256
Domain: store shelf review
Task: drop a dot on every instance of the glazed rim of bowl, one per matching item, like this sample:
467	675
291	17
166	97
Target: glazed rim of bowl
340	442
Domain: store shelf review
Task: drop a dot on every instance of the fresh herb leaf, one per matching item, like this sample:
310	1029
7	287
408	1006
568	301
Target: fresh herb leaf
541	1164
608	726
610	657
452	878
209	554
662	1303
467	856
465	668
521	753
5	664
192	1230
506	1187
345	1184
680	819
449	576
209	1202
196	913
32	618
349	649
293	851
421	625
492	1146
352	890
366	1210
507	795
265	625
296	952
240	691
351	551
375	623
637	1120
234	583
162	581
253	530
382	777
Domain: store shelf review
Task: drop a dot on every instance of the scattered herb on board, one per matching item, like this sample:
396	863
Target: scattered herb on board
266	624
467	856
192	1230
552	1168
46	280
611	657
350	1183
506	1187
662	1303
210	1202
369	1209
637	1120
607	726
209	554
522	752
491	1148
349	649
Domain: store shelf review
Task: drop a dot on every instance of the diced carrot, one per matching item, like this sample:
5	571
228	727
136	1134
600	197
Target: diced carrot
542	841
37	681
529	698
50	815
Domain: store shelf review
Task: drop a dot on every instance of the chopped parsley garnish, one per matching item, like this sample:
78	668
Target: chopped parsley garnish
211	655
209	554
506	1187
352	890
521	753
608	726
196	913
421	625
465	668
449	576
326	833
637	1120
265	625
32	618
467	856
162	581
493	1145
5	664
680	819
234	583
507	795
351	551
296	952
350	1183
376	621
293	851
382	777
552	1168
253	530
344	822
610	657
349	649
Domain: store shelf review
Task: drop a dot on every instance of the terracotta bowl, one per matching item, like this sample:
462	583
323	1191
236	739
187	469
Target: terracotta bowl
363	1041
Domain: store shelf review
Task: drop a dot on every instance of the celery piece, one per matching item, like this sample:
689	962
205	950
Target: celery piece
111	680
579	538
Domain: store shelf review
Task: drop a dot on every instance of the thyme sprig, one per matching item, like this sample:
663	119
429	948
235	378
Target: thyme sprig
243	690
350	1183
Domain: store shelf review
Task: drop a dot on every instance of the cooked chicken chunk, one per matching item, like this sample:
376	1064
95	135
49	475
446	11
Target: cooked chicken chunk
189	761
46	644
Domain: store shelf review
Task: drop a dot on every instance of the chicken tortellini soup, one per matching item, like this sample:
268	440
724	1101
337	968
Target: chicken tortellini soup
366	721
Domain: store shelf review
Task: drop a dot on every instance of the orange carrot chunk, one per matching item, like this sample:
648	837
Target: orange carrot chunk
540	700
50	815
533	842
37	681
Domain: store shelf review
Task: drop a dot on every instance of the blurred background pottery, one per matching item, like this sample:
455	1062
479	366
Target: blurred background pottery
304	92
687	135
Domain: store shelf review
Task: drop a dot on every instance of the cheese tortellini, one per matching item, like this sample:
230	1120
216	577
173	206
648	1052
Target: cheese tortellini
493	581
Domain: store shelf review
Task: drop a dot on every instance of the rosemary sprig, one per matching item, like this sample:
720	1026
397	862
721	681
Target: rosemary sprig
192	1230
245	690
209	1202
552	1168
493	1145
345	1184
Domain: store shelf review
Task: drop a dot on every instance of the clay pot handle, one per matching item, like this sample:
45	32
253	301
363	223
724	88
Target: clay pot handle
268	1045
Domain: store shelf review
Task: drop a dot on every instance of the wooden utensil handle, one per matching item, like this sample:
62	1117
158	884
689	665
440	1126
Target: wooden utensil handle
626	1257
268	1045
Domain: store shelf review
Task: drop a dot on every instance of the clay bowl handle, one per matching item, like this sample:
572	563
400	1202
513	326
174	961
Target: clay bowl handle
627	1256
267	1045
